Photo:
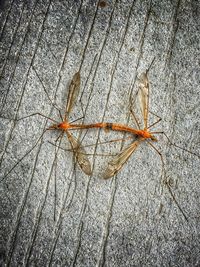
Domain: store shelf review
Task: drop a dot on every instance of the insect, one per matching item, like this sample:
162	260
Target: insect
115	165
118	161
142	134
64	126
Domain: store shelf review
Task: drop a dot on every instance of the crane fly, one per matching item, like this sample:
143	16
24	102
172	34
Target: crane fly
115	165
119	160
79	151
142	134
64	126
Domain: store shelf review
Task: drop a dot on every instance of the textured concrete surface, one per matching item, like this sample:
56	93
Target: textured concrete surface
51	212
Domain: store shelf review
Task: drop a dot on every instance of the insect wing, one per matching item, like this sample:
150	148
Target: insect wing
80	154
74	89
144	96
118	161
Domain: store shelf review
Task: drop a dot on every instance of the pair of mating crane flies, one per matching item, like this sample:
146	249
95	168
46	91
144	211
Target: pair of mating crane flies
120	159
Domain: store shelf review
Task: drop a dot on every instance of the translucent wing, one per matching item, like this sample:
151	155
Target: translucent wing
117	163
74	89
80	154
144	97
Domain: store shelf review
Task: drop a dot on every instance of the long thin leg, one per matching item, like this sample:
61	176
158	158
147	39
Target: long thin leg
159	119
53	104
160	154
174	199
100	143
37	113
55	180
76	120
135	119
59	136
173	144
168	186
29	151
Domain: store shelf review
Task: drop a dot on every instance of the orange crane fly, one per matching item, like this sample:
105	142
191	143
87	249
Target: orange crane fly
119	160
79	151
116	164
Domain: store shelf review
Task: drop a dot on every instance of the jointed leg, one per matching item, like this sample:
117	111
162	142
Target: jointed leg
161	157
166	183
37	113
173	197
54	105
159	119
55	162
173	144
100	143
29	151
135	119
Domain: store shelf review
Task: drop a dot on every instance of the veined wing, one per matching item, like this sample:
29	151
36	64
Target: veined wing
118	161
80	154
74	89
144	97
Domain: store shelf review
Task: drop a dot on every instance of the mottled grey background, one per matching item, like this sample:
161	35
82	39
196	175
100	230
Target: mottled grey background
53	214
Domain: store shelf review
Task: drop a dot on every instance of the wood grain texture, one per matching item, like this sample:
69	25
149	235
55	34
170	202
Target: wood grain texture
51	213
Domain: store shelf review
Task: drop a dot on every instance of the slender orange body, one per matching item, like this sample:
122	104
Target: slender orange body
73	93
107	126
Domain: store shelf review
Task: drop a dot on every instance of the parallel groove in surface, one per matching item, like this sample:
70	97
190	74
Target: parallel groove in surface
53	215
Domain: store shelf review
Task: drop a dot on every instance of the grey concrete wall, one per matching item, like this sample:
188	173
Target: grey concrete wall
51	212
